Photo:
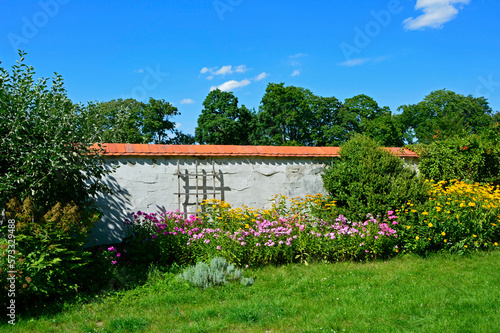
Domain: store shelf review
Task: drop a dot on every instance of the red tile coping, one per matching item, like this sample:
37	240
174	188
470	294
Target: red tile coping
125	149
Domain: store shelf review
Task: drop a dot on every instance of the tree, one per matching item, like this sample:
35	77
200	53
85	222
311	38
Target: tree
374	121
223	122
284	116
131	121
443	114
44	152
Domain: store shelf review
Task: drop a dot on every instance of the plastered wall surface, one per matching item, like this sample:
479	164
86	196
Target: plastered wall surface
149	185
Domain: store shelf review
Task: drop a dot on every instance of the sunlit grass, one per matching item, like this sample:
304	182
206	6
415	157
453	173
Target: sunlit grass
407	294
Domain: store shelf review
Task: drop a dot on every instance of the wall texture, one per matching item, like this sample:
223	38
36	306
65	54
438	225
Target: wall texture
160	178
152	185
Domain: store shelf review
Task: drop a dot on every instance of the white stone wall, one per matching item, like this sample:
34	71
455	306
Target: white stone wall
148	184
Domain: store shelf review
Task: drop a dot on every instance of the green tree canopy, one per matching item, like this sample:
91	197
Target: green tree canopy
223	122
131	121
374	121
443	114
284	116
43	147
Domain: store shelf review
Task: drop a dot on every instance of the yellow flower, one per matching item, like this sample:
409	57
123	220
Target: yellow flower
425	213
443	233
445	240
413	210
472	204
465	246
408	227
430	225
496	244
417	238
474	235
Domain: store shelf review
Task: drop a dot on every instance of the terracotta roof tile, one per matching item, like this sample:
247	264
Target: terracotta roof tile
117	149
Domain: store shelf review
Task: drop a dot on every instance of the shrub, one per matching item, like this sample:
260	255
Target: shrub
366	179
44	147
472	158
48	258
218	272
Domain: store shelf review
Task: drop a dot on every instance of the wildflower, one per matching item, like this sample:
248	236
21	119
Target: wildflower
443	233
118	254
111	248
445	240
417	238
472	204
153	237
408	227
114	262
496	244
474	236
425	213
465	246
430	225
218	247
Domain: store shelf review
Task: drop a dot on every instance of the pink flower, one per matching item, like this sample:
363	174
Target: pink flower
118	254
111	248
153	237
218	247
207	241
114	262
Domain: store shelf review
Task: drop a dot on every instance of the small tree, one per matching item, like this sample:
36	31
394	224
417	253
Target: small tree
43	146
367	179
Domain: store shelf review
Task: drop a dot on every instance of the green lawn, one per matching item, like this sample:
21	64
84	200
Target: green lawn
443	293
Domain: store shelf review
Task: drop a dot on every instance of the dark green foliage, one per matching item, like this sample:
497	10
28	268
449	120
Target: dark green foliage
367	179
471	158
223	122
43	150
444	114
131	121
49	259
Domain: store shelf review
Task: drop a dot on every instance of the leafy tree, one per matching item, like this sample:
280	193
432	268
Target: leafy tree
372	120
223	122
43	150
284	116
131	121
443	114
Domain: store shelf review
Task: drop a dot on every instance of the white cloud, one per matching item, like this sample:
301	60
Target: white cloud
298	55
231	85
261	76
436	13
354	62
223	70
240	69
362	61
187	101
295	73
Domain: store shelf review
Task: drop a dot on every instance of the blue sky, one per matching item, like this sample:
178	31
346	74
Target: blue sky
393	51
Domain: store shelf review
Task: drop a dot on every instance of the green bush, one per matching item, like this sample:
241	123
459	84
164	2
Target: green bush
469	158
47	254
367	179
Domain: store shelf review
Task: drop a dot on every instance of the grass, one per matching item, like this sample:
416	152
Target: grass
406	294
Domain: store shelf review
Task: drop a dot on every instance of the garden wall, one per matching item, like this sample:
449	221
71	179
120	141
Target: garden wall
159	178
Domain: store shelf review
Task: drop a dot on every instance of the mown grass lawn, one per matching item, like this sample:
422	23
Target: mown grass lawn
443	293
